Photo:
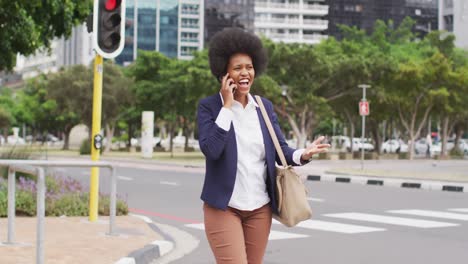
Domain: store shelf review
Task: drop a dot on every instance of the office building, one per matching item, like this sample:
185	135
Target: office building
172	27
298	21
364	13
228	13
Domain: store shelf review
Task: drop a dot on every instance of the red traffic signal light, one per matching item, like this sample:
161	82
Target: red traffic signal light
111	4
109	27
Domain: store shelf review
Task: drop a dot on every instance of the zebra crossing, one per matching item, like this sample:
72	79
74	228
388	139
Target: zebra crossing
412	218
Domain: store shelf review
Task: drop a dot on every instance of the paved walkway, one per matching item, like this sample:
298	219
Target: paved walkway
71	240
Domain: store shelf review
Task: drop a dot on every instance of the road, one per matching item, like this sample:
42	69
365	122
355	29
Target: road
353	224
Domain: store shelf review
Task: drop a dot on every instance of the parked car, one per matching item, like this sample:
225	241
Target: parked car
394	146
463	146
12	140
344	143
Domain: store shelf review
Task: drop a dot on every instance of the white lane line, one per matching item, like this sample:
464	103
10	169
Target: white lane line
274	235
429	213
123	178
315	199
460	210
335	227
391	220
168	183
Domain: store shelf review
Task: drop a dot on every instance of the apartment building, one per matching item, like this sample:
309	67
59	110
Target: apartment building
292	21
453	17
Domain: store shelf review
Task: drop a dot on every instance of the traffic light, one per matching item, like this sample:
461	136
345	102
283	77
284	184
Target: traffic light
109	27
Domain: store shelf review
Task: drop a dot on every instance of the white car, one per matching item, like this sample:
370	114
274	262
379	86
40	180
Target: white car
394	146
12	140
463	146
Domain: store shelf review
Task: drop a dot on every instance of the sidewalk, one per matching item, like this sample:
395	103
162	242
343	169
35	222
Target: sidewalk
71	240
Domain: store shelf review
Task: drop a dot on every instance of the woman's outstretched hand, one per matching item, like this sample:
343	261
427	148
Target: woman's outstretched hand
315	148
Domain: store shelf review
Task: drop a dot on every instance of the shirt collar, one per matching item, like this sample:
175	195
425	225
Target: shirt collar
249	96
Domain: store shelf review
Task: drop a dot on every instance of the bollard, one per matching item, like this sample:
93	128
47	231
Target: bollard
40	215
11	206
113	201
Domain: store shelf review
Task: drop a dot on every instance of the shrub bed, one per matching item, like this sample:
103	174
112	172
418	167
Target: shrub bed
64	196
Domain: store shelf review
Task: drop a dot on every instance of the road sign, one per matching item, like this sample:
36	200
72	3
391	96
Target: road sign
364	108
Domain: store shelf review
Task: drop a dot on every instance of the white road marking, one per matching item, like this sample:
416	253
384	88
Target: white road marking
169	183
335	227
460	210
315	199
85	173
197	226
429	213
274	235
391	220
124	178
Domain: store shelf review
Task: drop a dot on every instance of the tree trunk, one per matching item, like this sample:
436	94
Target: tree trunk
109	135
458	135
171	136
66	140
445	124
376	136
411	147
129	133
352	128
186	134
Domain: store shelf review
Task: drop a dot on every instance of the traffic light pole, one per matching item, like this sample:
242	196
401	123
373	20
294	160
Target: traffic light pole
96	138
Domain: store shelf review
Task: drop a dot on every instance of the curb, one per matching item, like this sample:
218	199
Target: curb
391	182
150	252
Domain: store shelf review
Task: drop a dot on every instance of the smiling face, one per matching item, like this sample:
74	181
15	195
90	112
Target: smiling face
241	70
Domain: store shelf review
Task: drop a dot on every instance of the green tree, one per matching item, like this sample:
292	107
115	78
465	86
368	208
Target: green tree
70	89
29	25
116	99
34	108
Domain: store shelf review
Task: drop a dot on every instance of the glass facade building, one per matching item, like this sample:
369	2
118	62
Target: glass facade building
364	13
172	27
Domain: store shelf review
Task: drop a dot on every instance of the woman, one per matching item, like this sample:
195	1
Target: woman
239	188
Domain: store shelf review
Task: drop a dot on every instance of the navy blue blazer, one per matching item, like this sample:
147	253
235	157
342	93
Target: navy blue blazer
220	149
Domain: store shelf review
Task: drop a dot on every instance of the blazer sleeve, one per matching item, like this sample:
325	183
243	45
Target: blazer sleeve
288	151
211	137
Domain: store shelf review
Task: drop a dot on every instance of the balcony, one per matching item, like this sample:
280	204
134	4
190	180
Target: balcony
310	24
290	8
297	38
190	26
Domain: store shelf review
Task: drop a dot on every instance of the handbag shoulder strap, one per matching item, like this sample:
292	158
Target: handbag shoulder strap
272	131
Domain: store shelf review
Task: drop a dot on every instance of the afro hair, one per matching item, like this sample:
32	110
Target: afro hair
230	41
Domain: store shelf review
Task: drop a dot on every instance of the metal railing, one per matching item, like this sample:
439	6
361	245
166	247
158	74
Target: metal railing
36	167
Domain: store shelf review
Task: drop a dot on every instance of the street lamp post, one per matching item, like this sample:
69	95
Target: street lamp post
363	111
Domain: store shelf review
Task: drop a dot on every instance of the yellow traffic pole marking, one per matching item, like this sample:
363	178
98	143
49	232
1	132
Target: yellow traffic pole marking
96	129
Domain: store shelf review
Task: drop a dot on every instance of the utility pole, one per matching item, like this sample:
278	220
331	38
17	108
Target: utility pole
363	111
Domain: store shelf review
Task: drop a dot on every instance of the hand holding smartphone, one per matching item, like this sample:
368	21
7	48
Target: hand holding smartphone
228	88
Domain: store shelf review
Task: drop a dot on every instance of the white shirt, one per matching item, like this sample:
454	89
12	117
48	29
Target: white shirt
249	188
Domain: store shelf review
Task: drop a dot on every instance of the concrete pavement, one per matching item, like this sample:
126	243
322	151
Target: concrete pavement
76	240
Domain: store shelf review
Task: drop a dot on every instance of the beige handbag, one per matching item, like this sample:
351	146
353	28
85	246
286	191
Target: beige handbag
291	192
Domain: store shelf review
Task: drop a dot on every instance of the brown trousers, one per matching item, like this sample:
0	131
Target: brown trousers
236	236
